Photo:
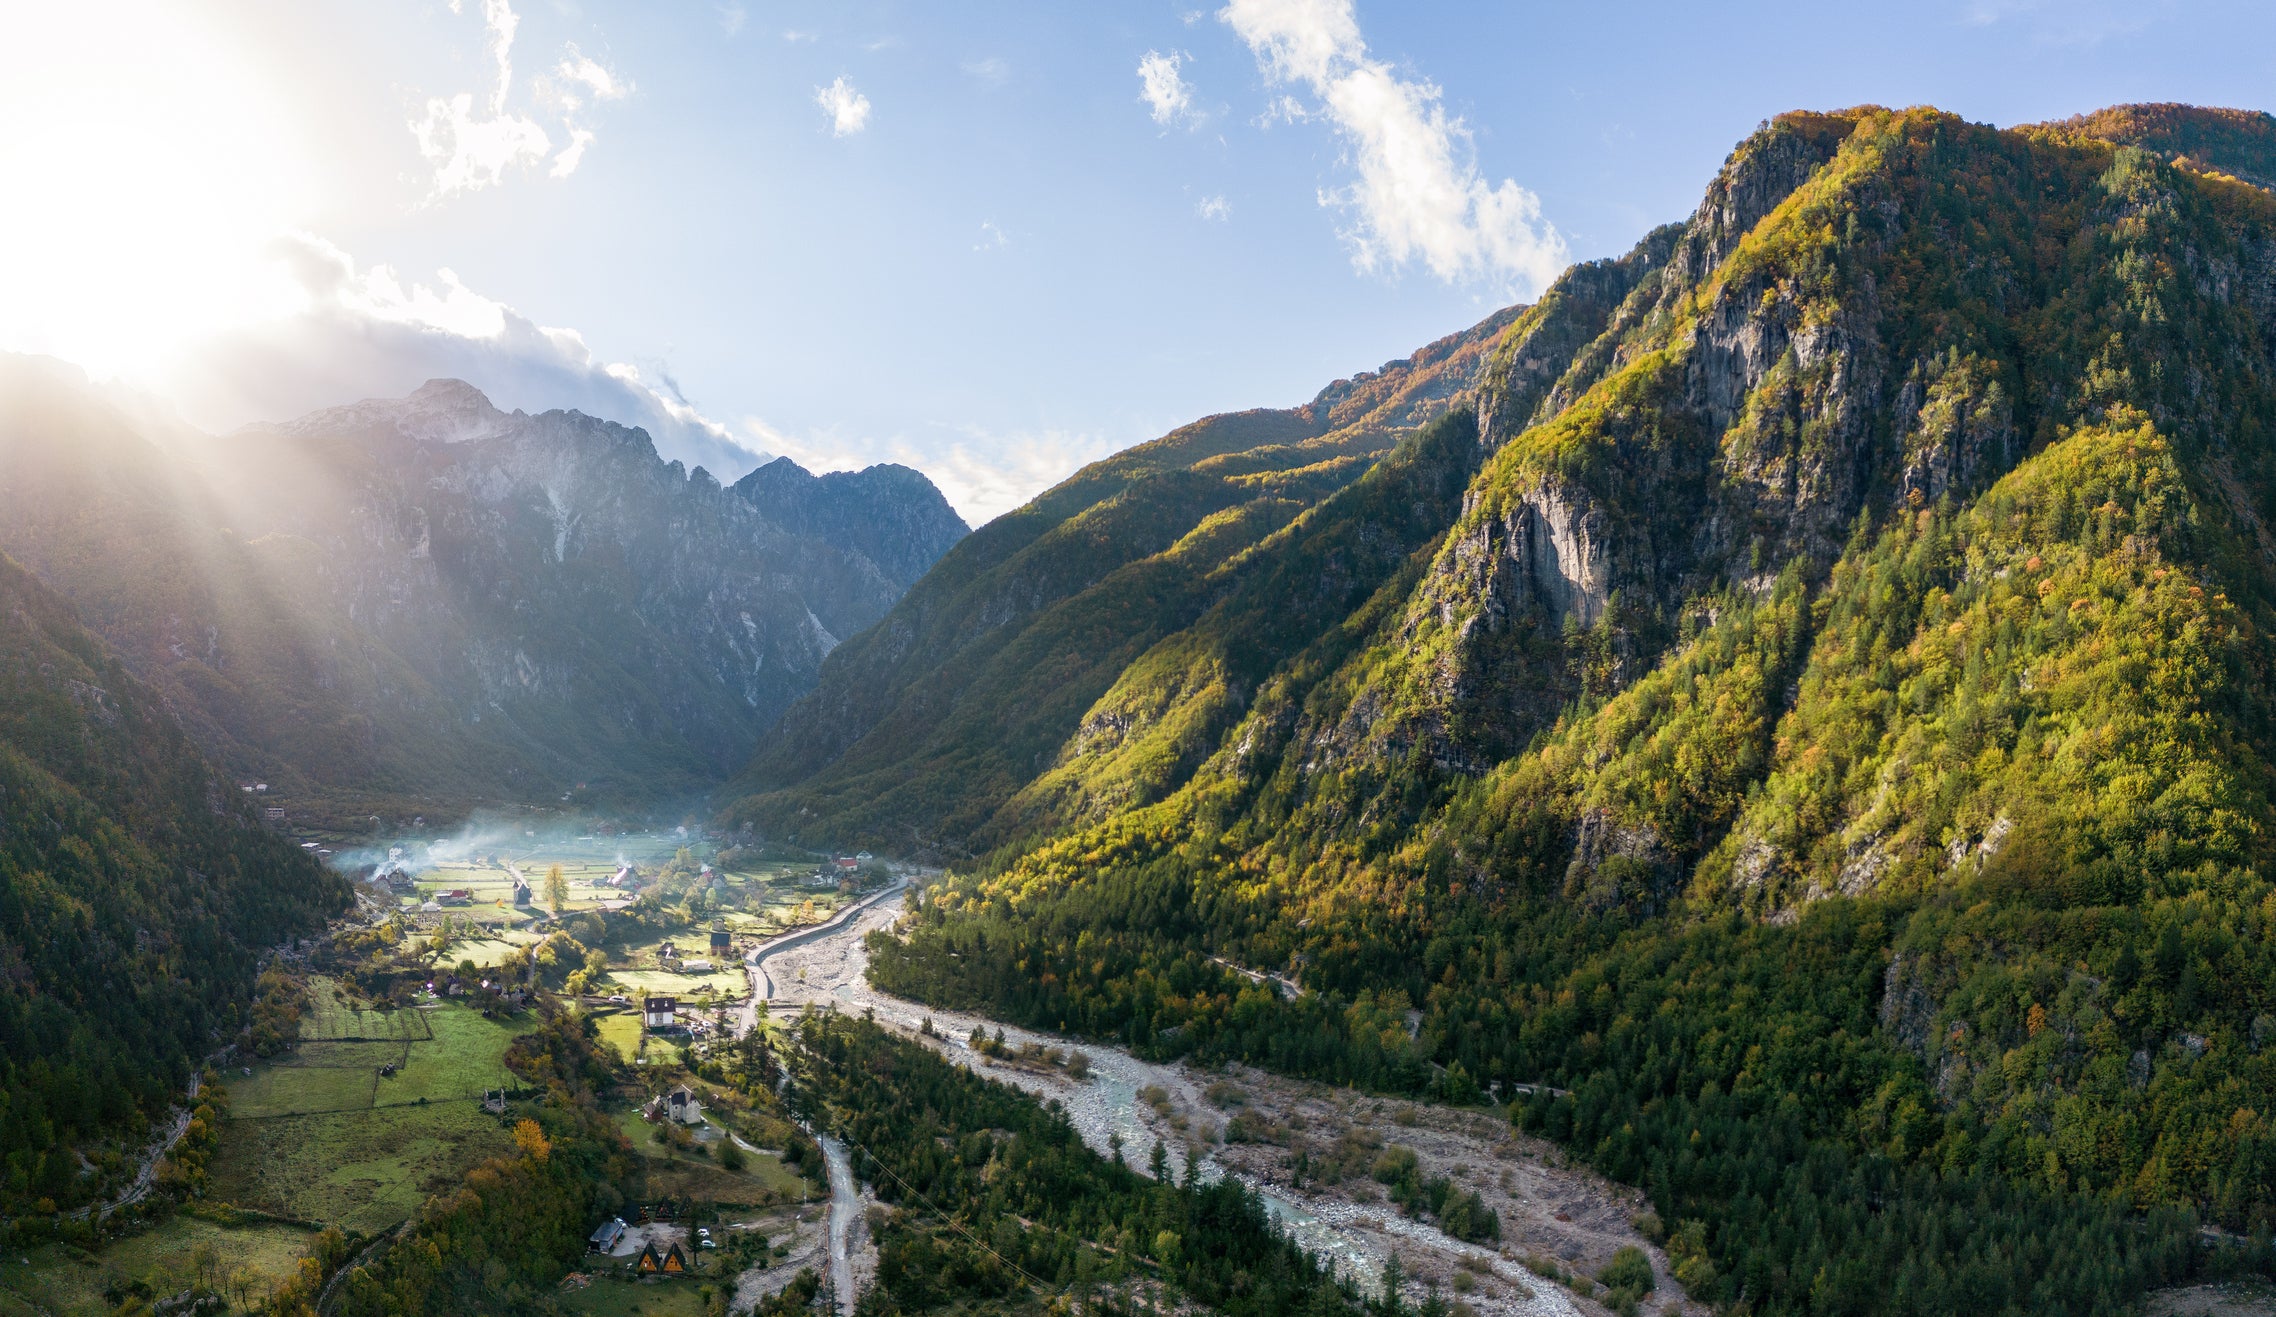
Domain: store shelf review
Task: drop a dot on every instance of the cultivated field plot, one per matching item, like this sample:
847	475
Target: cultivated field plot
315	1077
365	1170
620	1030
610	1297
490	952
165	1257
333	1018
319	1133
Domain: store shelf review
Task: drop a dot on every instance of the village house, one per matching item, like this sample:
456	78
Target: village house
679	1106
606	1235
456	896
669	1262
722	943
659	1012
521	892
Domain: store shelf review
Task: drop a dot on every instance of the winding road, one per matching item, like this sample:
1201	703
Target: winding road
845	1193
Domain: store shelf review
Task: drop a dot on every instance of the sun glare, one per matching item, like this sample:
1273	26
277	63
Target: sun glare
149	167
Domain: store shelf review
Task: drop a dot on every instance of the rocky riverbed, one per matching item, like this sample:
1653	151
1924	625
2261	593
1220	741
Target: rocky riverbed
1552	1214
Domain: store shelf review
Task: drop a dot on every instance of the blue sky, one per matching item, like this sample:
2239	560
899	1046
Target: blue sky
992	241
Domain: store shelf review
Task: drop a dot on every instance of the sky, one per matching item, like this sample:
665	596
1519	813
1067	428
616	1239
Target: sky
991	241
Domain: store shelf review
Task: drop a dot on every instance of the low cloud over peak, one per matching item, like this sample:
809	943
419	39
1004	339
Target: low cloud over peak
366	332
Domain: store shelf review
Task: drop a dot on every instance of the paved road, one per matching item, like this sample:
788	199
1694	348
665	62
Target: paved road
755	960
845	1194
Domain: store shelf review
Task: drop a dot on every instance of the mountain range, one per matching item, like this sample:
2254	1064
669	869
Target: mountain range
1788	714
1801	687
408	605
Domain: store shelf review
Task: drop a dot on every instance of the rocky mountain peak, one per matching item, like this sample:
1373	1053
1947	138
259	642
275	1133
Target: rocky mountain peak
890	514
444	411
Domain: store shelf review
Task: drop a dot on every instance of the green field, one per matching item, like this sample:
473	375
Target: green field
620	1030
728	985
487	952
318	1134
608	1297
332	1017
365	1170
671	1171
64	1281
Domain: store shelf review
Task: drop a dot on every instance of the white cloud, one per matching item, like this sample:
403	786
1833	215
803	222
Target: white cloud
848	109
571	155
993	70
1168	97
982	473
1418	194
578	69
363	331
991	237
1214	208
576	77
731	18
471	151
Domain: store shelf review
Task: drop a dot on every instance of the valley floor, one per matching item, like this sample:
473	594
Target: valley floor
1555	1216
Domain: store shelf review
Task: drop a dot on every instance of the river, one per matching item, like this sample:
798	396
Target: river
826	966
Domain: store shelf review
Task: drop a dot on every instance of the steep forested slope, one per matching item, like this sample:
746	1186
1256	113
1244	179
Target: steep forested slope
136	893
405	603
1012	658
1830	733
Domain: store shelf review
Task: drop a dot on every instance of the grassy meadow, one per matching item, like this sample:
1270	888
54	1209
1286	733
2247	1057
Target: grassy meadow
317	1133
65	1281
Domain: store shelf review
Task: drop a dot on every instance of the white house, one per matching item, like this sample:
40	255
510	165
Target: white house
683	1106
658	1012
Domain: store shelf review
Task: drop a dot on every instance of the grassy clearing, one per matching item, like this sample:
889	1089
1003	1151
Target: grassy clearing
332	1017
466	1056
609	1297
318	1134
488	952
763	1179
365	1170
315	1077
64	1281
728	985
620	1030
